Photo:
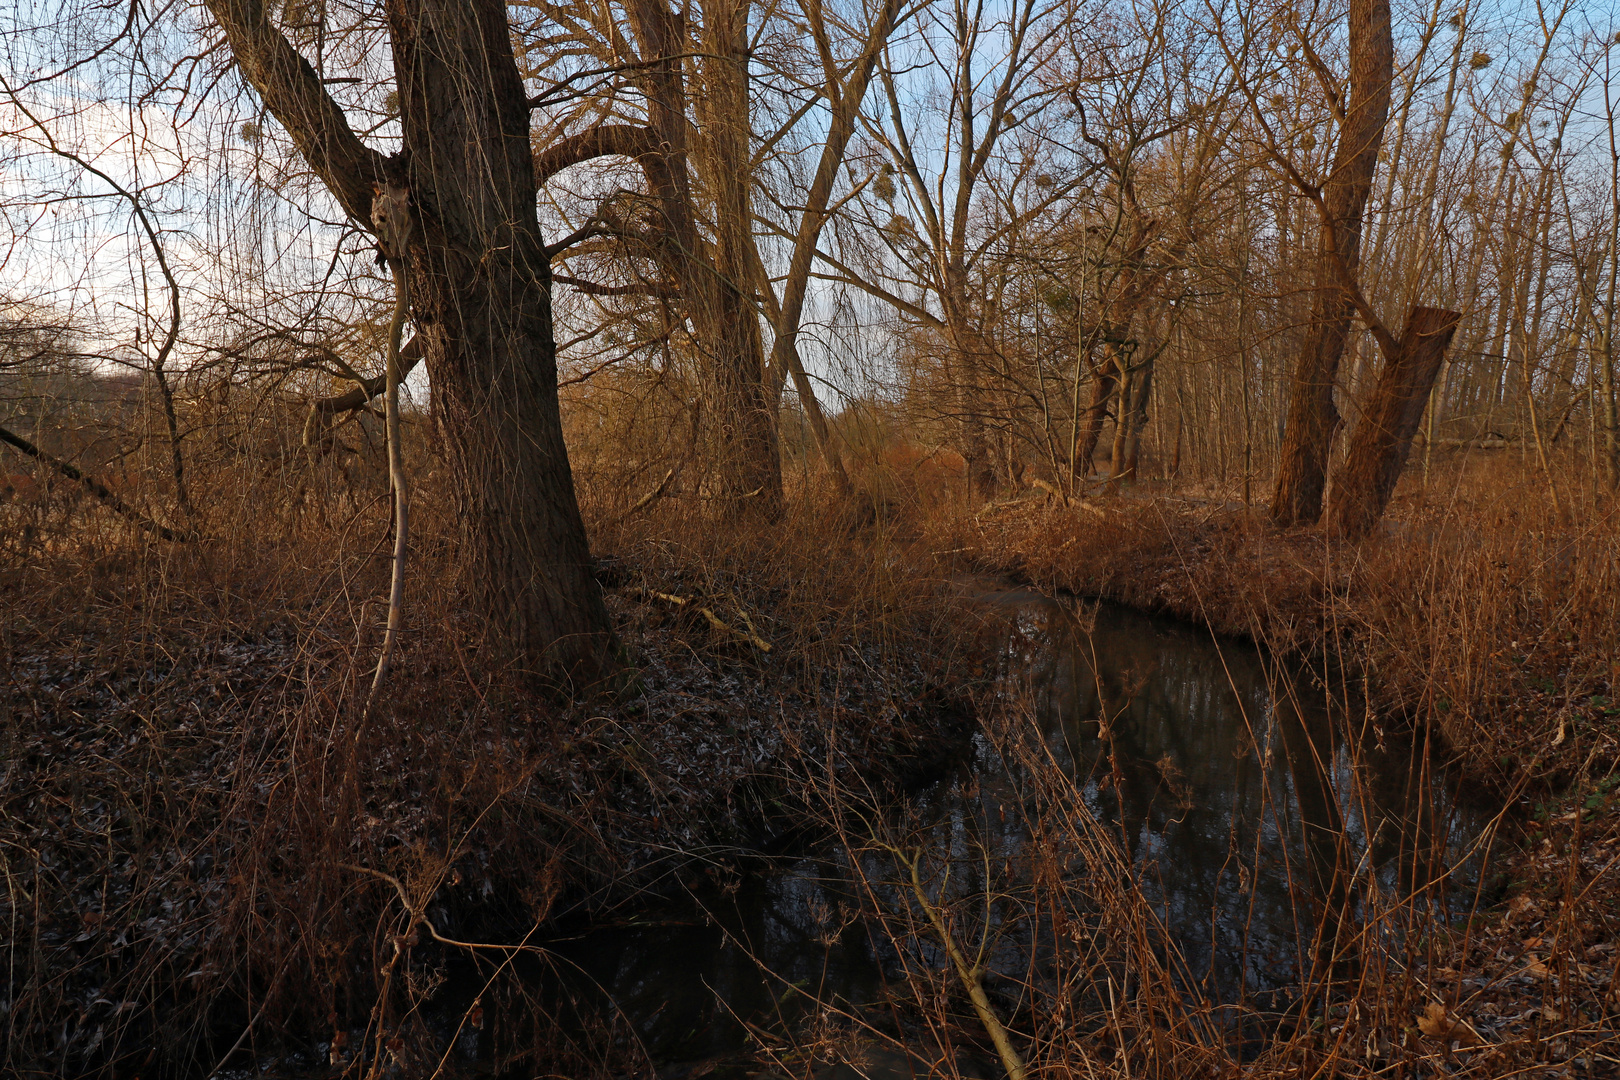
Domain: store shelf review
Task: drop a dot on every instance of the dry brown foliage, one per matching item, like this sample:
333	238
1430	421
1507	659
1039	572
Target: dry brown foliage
206	851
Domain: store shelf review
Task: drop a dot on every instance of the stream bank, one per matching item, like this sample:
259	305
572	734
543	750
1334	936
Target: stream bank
208	855
1187	802
191	809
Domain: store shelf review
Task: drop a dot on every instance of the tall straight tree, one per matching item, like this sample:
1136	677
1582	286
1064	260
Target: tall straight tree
480	296
1341	203
682	73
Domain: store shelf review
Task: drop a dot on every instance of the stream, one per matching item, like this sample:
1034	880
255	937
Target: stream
1225	788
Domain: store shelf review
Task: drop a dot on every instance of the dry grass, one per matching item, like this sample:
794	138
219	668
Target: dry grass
1483	612
1478	607
206	852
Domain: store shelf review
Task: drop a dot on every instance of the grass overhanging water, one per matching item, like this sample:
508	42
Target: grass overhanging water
209	859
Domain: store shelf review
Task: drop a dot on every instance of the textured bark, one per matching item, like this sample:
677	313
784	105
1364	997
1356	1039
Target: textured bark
714	275
749	456
1129	451
1103	377
483	306
1383	439
481	297
967	361
1313	419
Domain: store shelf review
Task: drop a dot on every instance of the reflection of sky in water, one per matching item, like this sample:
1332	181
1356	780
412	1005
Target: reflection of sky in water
1232	785
1227	785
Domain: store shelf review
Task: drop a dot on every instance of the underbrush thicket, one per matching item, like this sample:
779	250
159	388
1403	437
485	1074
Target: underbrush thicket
209	850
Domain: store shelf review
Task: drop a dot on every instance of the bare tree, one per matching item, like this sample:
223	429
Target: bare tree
953	165
480	298
1341	202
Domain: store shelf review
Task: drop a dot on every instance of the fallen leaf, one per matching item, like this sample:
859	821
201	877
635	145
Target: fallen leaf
1437	1024
1522	904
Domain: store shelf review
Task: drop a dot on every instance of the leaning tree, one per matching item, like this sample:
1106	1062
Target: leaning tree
480	292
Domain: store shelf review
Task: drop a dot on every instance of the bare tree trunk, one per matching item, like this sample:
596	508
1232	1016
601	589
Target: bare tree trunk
1313	419
1103	377
1383	438
712	281
749	456
747	452
981	468
482	305
1124	417
1605	362
1140	397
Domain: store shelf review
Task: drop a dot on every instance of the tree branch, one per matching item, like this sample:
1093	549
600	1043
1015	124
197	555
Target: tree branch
608	140
94	487
295	97
367	389
591	288
584	232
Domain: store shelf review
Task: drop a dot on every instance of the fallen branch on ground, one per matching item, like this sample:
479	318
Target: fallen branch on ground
750	635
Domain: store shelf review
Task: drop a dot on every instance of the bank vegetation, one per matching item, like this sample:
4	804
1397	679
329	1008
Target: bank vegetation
473	467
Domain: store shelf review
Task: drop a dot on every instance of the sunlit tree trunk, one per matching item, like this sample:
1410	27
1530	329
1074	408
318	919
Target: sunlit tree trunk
1390	418
1103	377
1141	396
748	456
1313	418
1605	358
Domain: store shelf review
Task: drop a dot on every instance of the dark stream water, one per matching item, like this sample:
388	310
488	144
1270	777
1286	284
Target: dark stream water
1230	787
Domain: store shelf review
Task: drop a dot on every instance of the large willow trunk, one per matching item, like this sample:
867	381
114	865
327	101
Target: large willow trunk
1313	419
481	297
483	305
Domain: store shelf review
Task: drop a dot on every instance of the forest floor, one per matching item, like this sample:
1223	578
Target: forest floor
207	848
198	826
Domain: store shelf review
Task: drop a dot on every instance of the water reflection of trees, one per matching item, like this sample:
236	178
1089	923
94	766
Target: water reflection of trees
1256	812
1148	816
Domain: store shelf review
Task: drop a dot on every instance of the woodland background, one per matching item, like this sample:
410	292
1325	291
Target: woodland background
737	337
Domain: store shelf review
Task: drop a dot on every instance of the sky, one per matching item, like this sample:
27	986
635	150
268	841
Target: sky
232	208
